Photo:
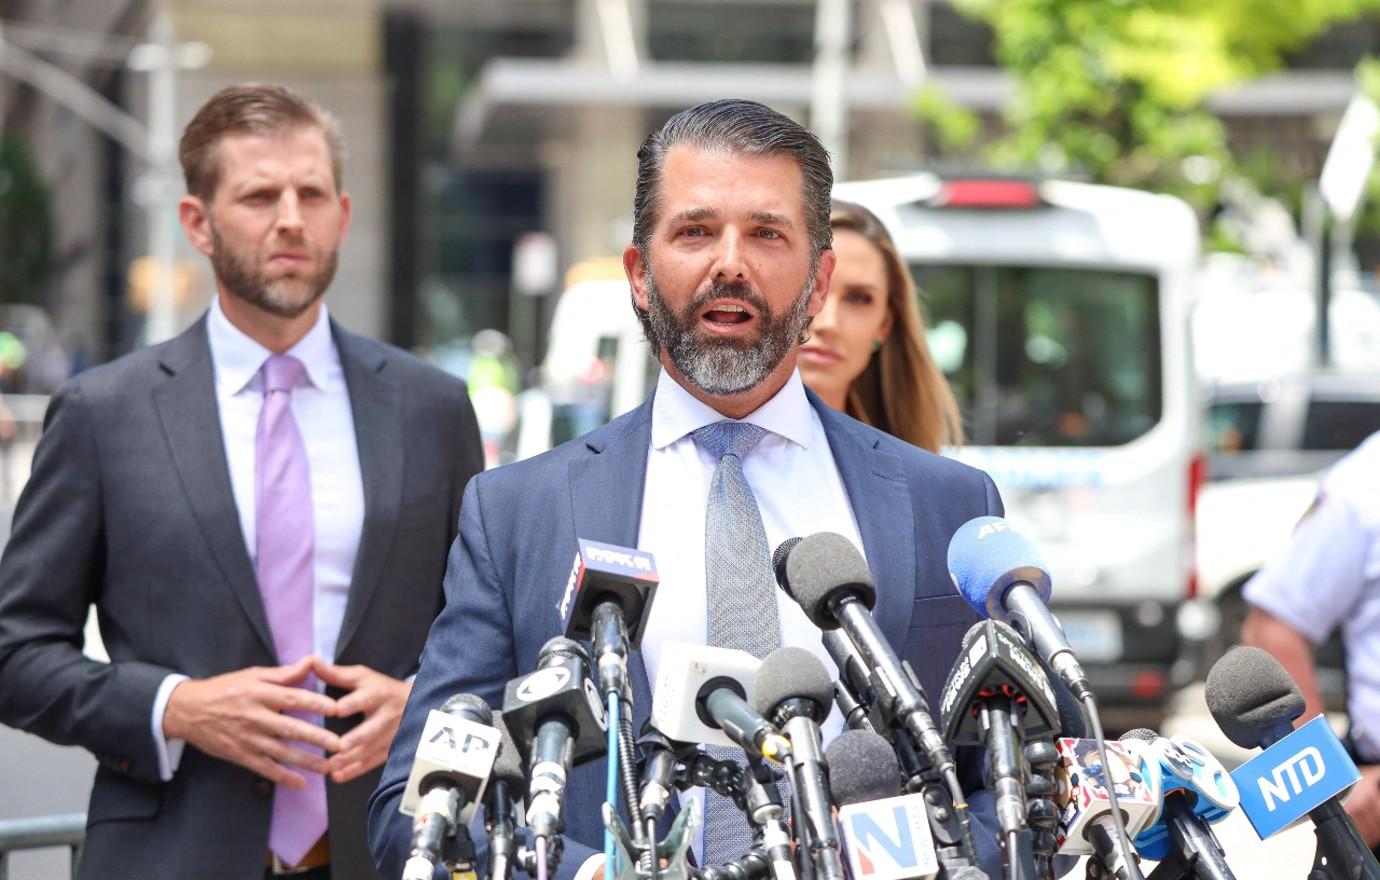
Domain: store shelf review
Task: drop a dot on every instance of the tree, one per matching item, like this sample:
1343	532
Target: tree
26	224
1114	89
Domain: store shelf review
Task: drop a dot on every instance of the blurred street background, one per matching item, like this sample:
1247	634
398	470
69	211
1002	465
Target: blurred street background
491	162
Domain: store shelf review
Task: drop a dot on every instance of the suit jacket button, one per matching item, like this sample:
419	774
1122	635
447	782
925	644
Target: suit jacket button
261	788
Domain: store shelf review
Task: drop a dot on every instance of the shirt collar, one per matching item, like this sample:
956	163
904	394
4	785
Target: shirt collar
237	358
676	412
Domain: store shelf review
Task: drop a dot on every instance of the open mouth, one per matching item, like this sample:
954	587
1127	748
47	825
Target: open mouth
727	315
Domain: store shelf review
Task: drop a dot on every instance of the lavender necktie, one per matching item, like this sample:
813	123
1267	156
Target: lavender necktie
286	548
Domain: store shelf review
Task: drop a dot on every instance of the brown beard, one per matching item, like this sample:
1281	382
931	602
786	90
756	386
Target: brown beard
239	278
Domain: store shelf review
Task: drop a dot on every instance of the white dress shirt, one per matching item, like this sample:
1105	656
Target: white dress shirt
798	490
321	408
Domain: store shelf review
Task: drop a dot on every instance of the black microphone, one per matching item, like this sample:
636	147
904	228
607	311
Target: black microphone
453	762
607	601
862	767
827	576
557	720
793	689
853	692
500	802
1300	772
996	695
865	781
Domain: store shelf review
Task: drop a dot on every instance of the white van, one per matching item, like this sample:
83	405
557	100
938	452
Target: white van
1059	311
597	364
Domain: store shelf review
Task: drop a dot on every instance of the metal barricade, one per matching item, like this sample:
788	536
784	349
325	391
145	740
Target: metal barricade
40	832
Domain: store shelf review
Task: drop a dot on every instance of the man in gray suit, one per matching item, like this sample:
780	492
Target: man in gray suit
260	511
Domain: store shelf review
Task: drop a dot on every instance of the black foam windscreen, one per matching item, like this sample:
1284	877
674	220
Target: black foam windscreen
508	766
778	563
1250	695
862	767
820	568
789	673
470	707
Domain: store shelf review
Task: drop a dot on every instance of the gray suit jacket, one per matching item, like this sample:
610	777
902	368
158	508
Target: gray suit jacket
129	507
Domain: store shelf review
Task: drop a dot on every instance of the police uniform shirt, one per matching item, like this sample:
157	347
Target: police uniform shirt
1329	576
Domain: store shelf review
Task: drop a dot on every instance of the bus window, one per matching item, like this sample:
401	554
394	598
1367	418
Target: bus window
1043	356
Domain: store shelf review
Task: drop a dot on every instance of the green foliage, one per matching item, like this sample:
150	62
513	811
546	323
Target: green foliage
26	224
1114	89
954	126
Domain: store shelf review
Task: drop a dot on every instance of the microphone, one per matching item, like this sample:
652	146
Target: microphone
793	689
1001	575
1300	773
1195	791
500	824
886	835
862	767
607	600
997	696
853	692
703	694
449	773
557	721
827	576
1086	826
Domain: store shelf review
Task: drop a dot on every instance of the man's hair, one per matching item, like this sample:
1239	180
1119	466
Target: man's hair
737	127
253	109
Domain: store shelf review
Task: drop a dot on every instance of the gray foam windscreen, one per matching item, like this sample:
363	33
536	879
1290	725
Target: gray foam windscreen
862	767
792	672
1249	695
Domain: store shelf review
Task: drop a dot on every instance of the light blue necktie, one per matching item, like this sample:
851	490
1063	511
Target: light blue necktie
742	599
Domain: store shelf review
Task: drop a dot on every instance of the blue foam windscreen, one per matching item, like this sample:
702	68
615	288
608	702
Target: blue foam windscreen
986	556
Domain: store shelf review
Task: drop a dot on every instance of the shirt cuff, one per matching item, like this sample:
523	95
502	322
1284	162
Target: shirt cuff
169	750
592	864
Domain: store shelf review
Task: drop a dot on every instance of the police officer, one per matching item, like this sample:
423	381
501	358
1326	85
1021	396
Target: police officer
1329	576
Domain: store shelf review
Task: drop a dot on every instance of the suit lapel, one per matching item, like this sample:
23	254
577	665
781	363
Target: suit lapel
186	404
606	487
879	494
376	402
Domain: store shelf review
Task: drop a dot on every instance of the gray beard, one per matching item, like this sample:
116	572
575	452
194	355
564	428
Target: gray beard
722	367
286	297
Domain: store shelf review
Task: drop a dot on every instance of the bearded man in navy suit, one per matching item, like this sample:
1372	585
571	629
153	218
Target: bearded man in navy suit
730	259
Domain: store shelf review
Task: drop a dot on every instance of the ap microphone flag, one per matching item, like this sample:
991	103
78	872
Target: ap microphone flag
1294	776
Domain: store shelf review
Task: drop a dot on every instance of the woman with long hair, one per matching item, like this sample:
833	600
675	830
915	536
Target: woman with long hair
867	354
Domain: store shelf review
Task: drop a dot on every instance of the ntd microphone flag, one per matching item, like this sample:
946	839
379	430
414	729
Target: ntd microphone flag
888	839
1294	776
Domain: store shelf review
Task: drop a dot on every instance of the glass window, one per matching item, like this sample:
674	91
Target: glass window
1340	424
1234	426
1047	356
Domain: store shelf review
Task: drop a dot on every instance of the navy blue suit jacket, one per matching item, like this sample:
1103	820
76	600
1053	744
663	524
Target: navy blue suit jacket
518	528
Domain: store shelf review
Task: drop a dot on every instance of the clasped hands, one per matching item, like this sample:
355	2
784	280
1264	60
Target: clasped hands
241	717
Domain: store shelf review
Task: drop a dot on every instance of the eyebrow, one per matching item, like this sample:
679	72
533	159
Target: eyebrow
767	218
694	215
697	215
